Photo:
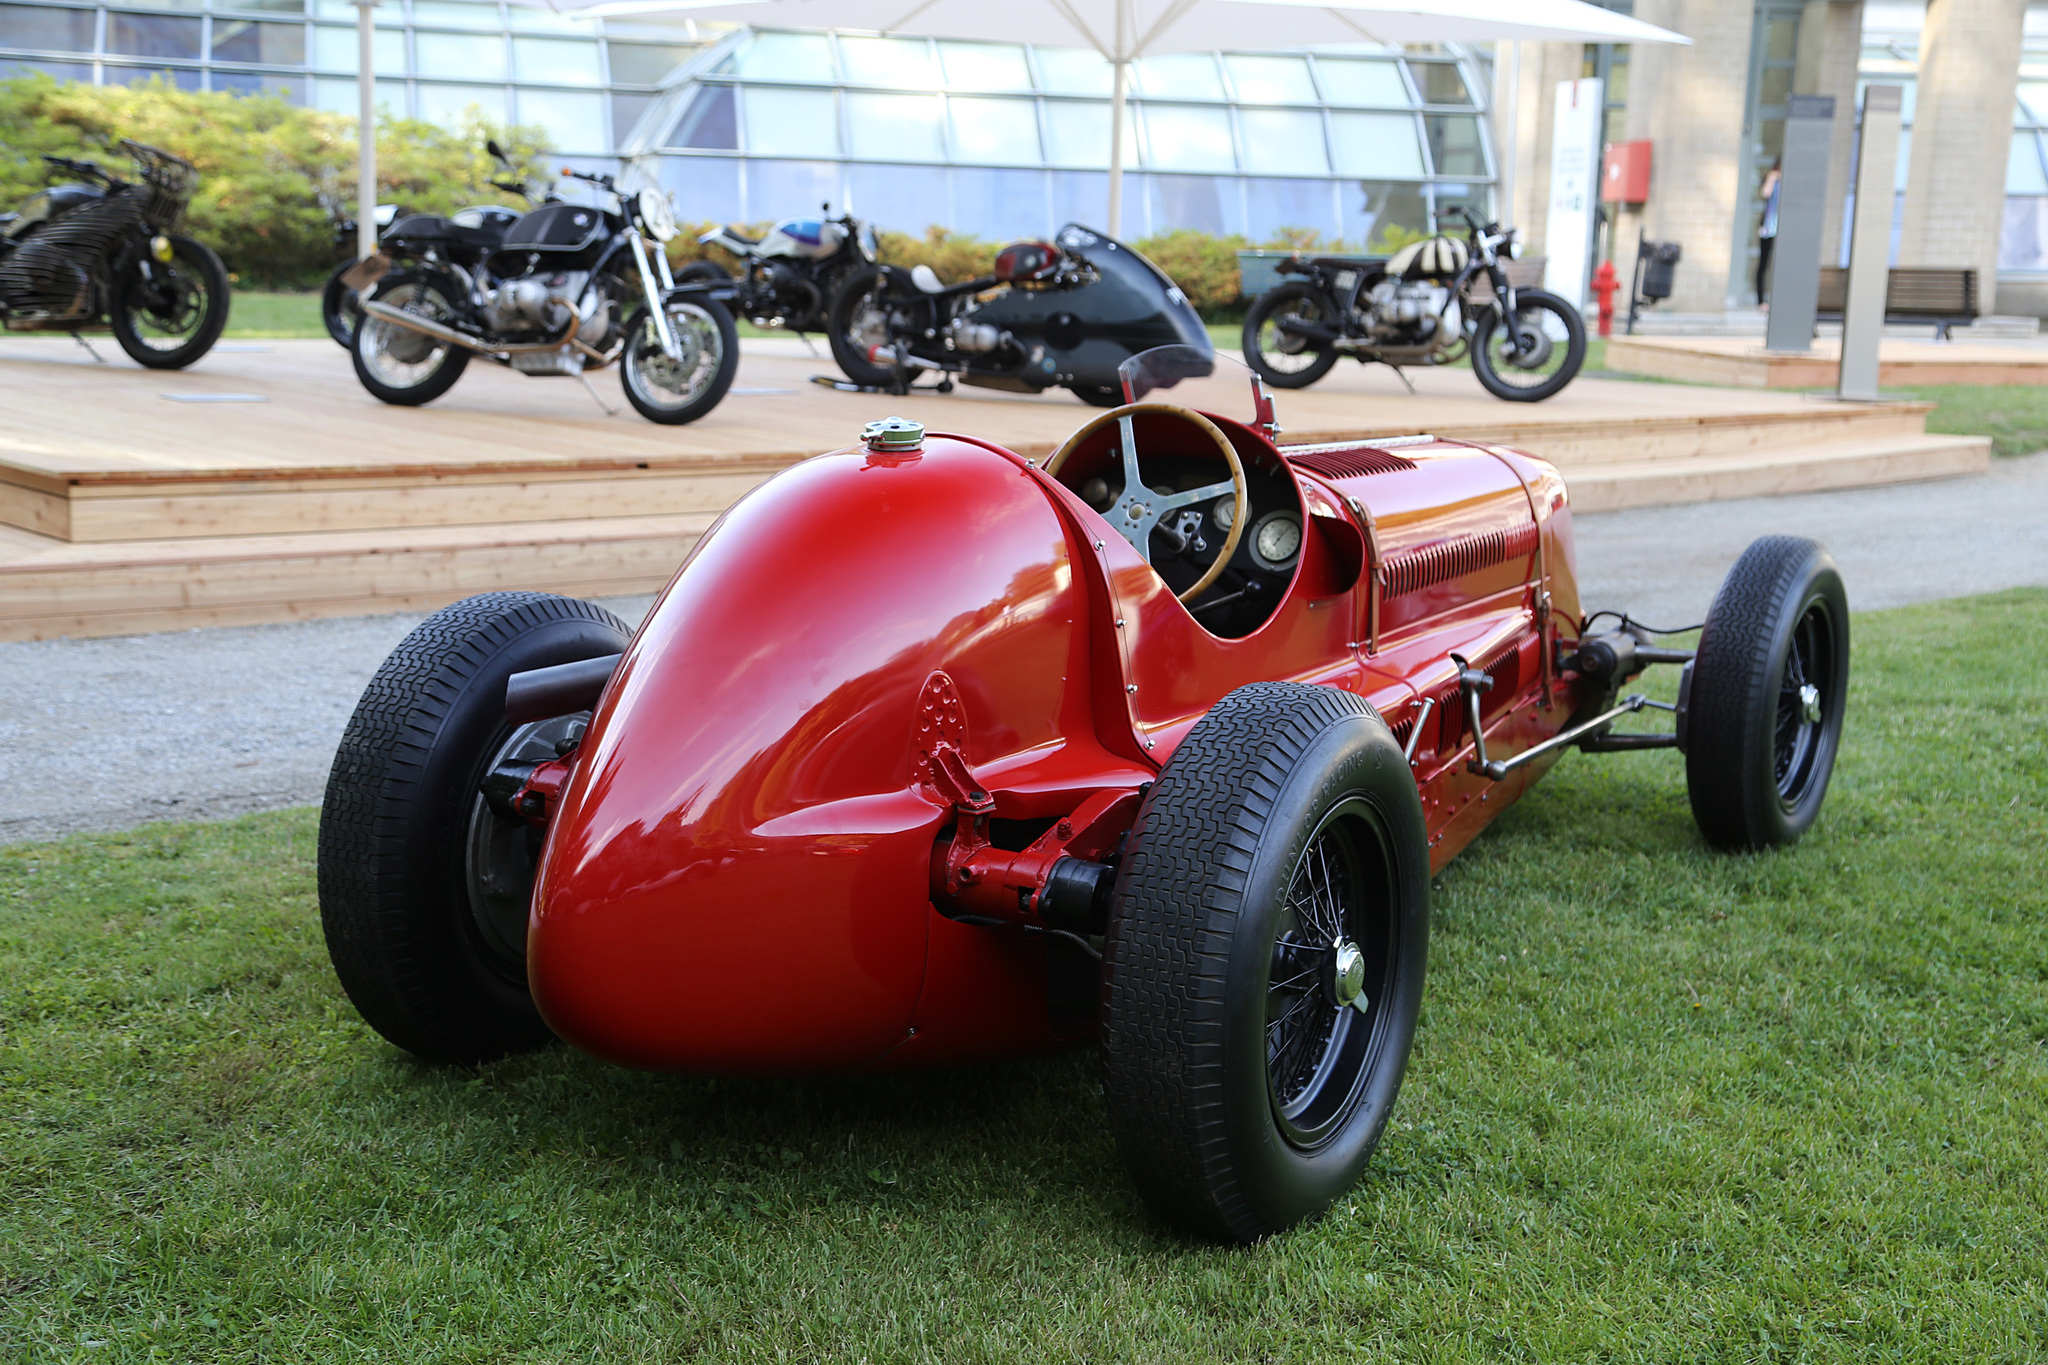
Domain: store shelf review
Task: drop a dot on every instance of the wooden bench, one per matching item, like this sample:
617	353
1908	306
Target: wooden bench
1940	295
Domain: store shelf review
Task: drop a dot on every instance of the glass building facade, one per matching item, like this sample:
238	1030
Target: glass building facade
587	84
1001	140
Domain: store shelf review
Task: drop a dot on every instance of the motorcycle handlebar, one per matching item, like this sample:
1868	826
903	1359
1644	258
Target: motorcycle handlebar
602	181
88	168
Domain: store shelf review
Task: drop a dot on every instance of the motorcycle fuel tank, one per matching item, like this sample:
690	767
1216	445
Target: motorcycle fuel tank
737	879
811	238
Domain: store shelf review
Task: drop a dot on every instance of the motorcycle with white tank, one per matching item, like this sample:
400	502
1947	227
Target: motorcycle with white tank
548	300
789	276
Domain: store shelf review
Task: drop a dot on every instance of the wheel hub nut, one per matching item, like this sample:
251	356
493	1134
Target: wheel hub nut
1809	703
1346	974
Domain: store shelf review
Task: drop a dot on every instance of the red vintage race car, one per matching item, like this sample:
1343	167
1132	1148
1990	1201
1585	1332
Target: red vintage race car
932	754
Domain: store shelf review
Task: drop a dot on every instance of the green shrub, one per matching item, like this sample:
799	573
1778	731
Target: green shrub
274	180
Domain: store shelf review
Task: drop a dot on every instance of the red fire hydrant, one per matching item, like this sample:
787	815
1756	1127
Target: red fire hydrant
1604	286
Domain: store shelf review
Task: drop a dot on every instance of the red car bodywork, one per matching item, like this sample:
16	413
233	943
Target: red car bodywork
743	871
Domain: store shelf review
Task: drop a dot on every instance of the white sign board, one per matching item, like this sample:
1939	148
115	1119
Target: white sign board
1574	188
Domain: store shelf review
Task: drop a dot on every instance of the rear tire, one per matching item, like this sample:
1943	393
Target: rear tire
1289	362
403	367
855	321
1244	1100
340	311
1759	746
420	883
168	323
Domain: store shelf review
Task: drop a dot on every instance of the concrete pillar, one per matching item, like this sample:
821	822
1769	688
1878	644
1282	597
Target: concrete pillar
1689	102
1830	41
1543	66
1962	132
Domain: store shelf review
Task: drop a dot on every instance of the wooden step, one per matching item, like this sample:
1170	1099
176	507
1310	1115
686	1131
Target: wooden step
1810	469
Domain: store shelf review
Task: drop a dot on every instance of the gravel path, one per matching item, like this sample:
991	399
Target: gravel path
107	734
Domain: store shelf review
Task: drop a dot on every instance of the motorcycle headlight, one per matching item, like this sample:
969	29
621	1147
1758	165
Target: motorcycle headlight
869	250
656	216
160	247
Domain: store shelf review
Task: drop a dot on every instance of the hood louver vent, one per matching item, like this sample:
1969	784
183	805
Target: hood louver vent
1350	464
1413	570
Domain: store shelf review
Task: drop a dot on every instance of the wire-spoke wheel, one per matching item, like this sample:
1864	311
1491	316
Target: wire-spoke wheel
397	363
1264	962
1274	343
859	324
1552	347
1765	703
167	314
673	389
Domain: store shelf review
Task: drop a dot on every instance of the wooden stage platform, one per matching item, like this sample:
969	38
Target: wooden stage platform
1743	362
264	484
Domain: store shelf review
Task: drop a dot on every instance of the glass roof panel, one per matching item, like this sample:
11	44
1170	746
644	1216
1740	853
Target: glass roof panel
1180	76
905	63
894	128
791	122
710	121
1440	82
1074	71
985	66
1077	134
1271	80
2034	101
1347	80
454	14
1181	137
573	118
1454	144
787	57
1283	142
557	61
996	132
1375	146
2023	170
464	56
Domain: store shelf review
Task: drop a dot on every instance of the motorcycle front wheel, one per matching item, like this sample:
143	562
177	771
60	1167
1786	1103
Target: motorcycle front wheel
394	362
672	390
167	314
857	323
1555	337
340	311
1284	359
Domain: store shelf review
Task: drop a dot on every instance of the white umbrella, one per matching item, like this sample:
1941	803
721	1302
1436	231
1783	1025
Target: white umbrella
1125	30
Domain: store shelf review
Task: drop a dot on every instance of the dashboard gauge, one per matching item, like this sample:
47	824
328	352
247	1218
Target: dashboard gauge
1225	511
1276	540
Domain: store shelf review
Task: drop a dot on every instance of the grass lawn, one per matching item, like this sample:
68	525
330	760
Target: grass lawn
1666	1106
261	313
2014	416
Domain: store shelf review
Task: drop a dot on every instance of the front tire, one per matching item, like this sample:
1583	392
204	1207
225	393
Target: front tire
1284	360
1543	368
673	391
1279	862
171	317
1770	684
423	887
401	366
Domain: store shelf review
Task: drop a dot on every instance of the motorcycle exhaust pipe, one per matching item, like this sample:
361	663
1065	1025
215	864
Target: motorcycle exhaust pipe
428	327
1308	331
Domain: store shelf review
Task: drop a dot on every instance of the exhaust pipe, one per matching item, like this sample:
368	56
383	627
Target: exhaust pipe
540	693
1308	331
428	327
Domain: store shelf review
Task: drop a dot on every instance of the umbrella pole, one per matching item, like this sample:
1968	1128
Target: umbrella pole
1506	213
366	131
1116	152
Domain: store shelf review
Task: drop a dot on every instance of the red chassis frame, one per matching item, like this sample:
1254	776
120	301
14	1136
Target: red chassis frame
746	867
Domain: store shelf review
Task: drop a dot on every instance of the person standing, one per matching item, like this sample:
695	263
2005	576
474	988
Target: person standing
1767	233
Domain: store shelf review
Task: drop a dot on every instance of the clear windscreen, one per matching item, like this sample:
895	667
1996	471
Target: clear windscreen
1198	379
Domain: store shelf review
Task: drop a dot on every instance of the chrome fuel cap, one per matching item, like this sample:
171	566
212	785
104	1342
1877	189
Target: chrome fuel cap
897	435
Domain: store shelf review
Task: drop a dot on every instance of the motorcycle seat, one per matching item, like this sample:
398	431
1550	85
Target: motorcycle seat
1347	262
734	234
432	227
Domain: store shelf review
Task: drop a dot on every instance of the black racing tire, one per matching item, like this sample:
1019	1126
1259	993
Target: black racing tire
1498	373
842	316
1278	365
703	272
664	391
192	269
439	364
340	312
1759	749
414	926
1099	395
1244	1102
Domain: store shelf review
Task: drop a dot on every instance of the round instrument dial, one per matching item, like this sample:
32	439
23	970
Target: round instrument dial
1276	540
1225	511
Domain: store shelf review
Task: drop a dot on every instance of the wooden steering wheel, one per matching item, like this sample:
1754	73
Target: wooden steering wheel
1139	510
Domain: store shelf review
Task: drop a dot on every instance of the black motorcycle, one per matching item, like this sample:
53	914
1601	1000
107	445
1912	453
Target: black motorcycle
465	237
1050	316
789	277
103	251
546	298
1432	303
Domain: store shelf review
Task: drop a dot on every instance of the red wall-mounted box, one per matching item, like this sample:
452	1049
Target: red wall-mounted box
1625	173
